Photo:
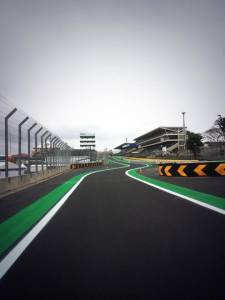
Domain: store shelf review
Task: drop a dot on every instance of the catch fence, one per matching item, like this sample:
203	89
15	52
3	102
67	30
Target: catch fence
26	146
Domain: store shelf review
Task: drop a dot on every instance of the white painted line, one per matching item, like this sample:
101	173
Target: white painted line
219	210
15	253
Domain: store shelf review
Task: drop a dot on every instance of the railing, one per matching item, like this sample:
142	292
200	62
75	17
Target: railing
26	146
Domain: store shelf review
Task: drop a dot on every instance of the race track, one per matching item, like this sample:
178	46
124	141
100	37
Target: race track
117	238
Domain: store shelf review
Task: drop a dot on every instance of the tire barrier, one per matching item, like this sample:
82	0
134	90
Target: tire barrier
192	169
86	165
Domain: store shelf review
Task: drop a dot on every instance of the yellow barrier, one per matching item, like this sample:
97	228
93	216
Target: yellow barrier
201	169
161	160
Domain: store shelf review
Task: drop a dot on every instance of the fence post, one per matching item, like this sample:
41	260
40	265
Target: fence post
19	143
64	154
42	156
46	148
58	152
53	148
6	142
60	155
28	145
51	151
36	133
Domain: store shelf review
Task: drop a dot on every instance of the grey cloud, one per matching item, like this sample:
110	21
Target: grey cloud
118	67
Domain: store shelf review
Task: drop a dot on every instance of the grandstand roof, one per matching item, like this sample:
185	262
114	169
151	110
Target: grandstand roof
120	146
158	130
126	146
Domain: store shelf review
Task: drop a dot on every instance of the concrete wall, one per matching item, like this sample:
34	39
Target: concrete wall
13	183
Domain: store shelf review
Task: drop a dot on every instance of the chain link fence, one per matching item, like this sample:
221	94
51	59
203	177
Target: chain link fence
26	146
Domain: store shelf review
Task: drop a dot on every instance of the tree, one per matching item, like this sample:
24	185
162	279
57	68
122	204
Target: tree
214	134
220	123
194	142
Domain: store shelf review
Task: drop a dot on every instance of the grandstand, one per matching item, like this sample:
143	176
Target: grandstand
162	140
126	148
157	142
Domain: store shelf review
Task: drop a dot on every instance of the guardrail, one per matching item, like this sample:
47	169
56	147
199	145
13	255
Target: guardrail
12	184
200	169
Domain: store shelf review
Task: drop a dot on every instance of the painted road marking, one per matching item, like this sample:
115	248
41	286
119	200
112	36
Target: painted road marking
218	201
15	253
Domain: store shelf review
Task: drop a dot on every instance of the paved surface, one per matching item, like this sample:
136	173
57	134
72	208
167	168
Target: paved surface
209	185
11	204
116	238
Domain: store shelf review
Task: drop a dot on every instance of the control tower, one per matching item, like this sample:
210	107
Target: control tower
87	142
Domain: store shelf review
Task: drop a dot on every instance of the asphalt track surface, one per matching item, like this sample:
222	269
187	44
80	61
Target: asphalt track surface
209	185
116	238
12	203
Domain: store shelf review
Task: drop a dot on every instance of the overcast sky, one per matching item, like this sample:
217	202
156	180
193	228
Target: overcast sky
118	68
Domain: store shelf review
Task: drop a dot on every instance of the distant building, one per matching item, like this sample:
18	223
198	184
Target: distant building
87	142
158	142
162	140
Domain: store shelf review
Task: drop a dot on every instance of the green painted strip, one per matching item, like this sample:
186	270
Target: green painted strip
122	161
215	201
17	225
14	227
